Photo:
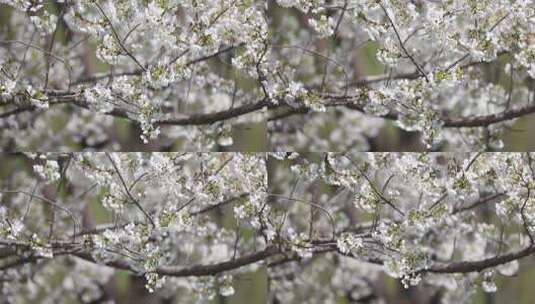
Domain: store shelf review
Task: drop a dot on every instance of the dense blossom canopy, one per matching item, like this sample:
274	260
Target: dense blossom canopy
322	225
328	78
189	73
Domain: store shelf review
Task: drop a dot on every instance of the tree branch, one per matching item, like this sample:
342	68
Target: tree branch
465	267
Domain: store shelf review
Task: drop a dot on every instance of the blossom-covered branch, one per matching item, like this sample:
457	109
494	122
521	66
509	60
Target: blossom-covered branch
451	221
188	72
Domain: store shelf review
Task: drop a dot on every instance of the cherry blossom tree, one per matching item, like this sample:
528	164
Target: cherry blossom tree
316	75
324	227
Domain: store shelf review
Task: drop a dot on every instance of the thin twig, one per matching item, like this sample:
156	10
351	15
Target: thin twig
126	189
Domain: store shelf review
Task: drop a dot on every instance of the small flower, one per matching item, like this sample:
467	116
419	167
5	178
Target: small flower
324	26
50	171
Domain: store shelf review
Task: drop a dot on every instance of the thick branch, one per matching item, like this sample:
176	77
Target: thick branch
465	267
210	118
206	270
449	122
486	120
196	270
